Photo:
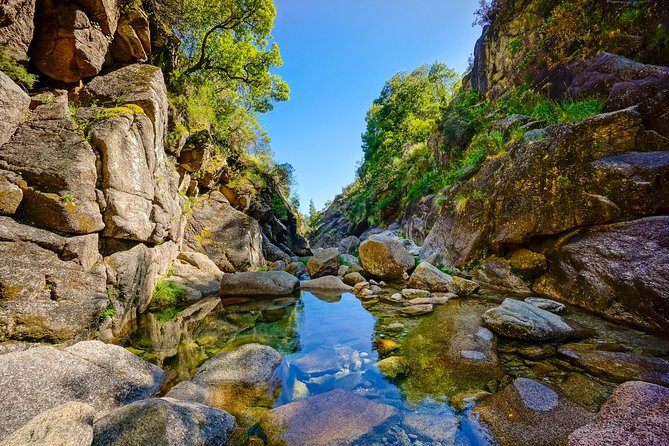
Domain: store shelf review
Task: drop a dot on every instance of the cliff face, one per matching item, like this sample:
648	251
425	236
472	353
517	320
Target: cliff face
575	210
101	189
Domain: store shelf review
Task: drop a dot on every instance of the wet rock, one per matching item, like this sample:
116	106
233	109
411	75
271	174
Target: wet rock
198	273
14	103
165	421
328	419
353	279
417	310
393	367
385	258
328	283
428	277
496	274
324	263
411	293
394	298
636	413
617	271
546	304
462	287
68	425
384	346
537	352
528	412
228	237
349	245
520	320
436	300
440	429
297	269
265	283
583	391
618	366
528	263
102	375
467	399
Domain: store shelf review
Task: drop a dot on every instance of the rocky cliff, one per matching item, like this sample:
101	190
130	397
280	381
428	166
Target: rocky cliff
102	188
572	209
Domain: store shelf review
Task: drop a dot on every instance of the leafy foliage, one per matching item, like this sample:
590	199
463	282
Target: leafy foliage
167	293
14	70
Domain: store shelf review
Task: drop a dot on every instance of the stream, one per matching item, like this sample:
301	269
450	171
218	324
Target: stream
331	342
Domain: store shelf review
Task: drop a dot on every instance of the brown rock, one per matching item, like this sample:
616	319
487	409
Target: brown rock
428	277
132	42
324	263
10	194
18	25
495	273
527	263
353	278
14	104
462	287
385	258
636	413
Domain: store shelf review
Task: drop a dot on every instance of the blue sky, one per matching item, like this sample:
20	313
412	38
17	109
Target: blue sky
337	55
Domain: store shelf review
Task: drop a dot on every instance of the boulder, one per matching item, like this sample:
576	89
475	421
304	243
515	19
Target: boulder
11	194
546	304
393	367
259	284
527	263
165	421
495	273
14	106
249	365
228	237
52	288
58	194
529	412
411	293
636	413
17	26
520	320
326	283
67	46
324	263
329	419
42	378
428	277
618	366
196	272
349	245
439	429
617	271
386	258
297	269
132	42
417	310
70	424
353	279
462	287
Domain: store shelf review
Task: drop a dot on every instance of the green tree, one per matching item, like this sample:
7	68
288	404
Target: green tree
314	218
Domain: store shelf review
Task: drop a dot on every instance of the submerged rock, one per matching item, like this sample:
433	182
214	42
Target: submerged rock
393	367
637	413
520	320
164	421
329	419
417	310
440	429
386	258
265	283
324	263
102	375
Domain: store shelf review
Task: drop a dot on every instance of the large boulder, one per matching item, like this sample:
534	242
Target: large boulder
14	106
132	41
52	288
428	277
259	284
58	194
329	419
520	320
349	245
164	421
636	413
386	258
326	283
324	263
228	237
496	274
529	412
17	25
101	375
197	273
618	271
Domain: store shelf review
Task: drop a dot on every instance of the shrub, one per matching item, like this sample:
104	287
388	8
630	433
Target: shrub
167	293
14	70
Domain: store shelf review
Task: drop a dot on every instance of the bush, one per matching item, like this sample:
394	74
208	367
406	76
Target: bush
167	293
14	70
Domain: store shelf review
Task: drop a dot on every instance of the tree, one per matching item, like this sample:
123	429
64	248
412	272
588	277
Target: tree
314	218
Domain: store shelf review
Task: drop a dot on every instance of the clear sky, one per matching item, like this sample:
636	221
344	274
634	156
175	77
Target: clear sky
337	55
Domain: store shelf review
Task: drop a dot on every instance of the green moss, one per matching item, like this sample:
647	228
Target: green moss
115	112
167	293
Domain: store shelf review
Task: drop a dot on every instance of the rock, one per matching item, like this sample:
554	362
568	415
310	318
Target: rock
441	300
520	320
67	46
52	287
393	367
617	271
353	279
18	25
70	424
385	258
332	418
467	399
58	194
618	366
417	310
14	105
342	271
324	263
197	272
165	421
132	42
495	273
327	283
528	264
279	265
428	277
102	375
439	429
528	412
384	346
462	287
266	283
411	293
11	194
297	269
349	245
636	413
230	238
546	304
